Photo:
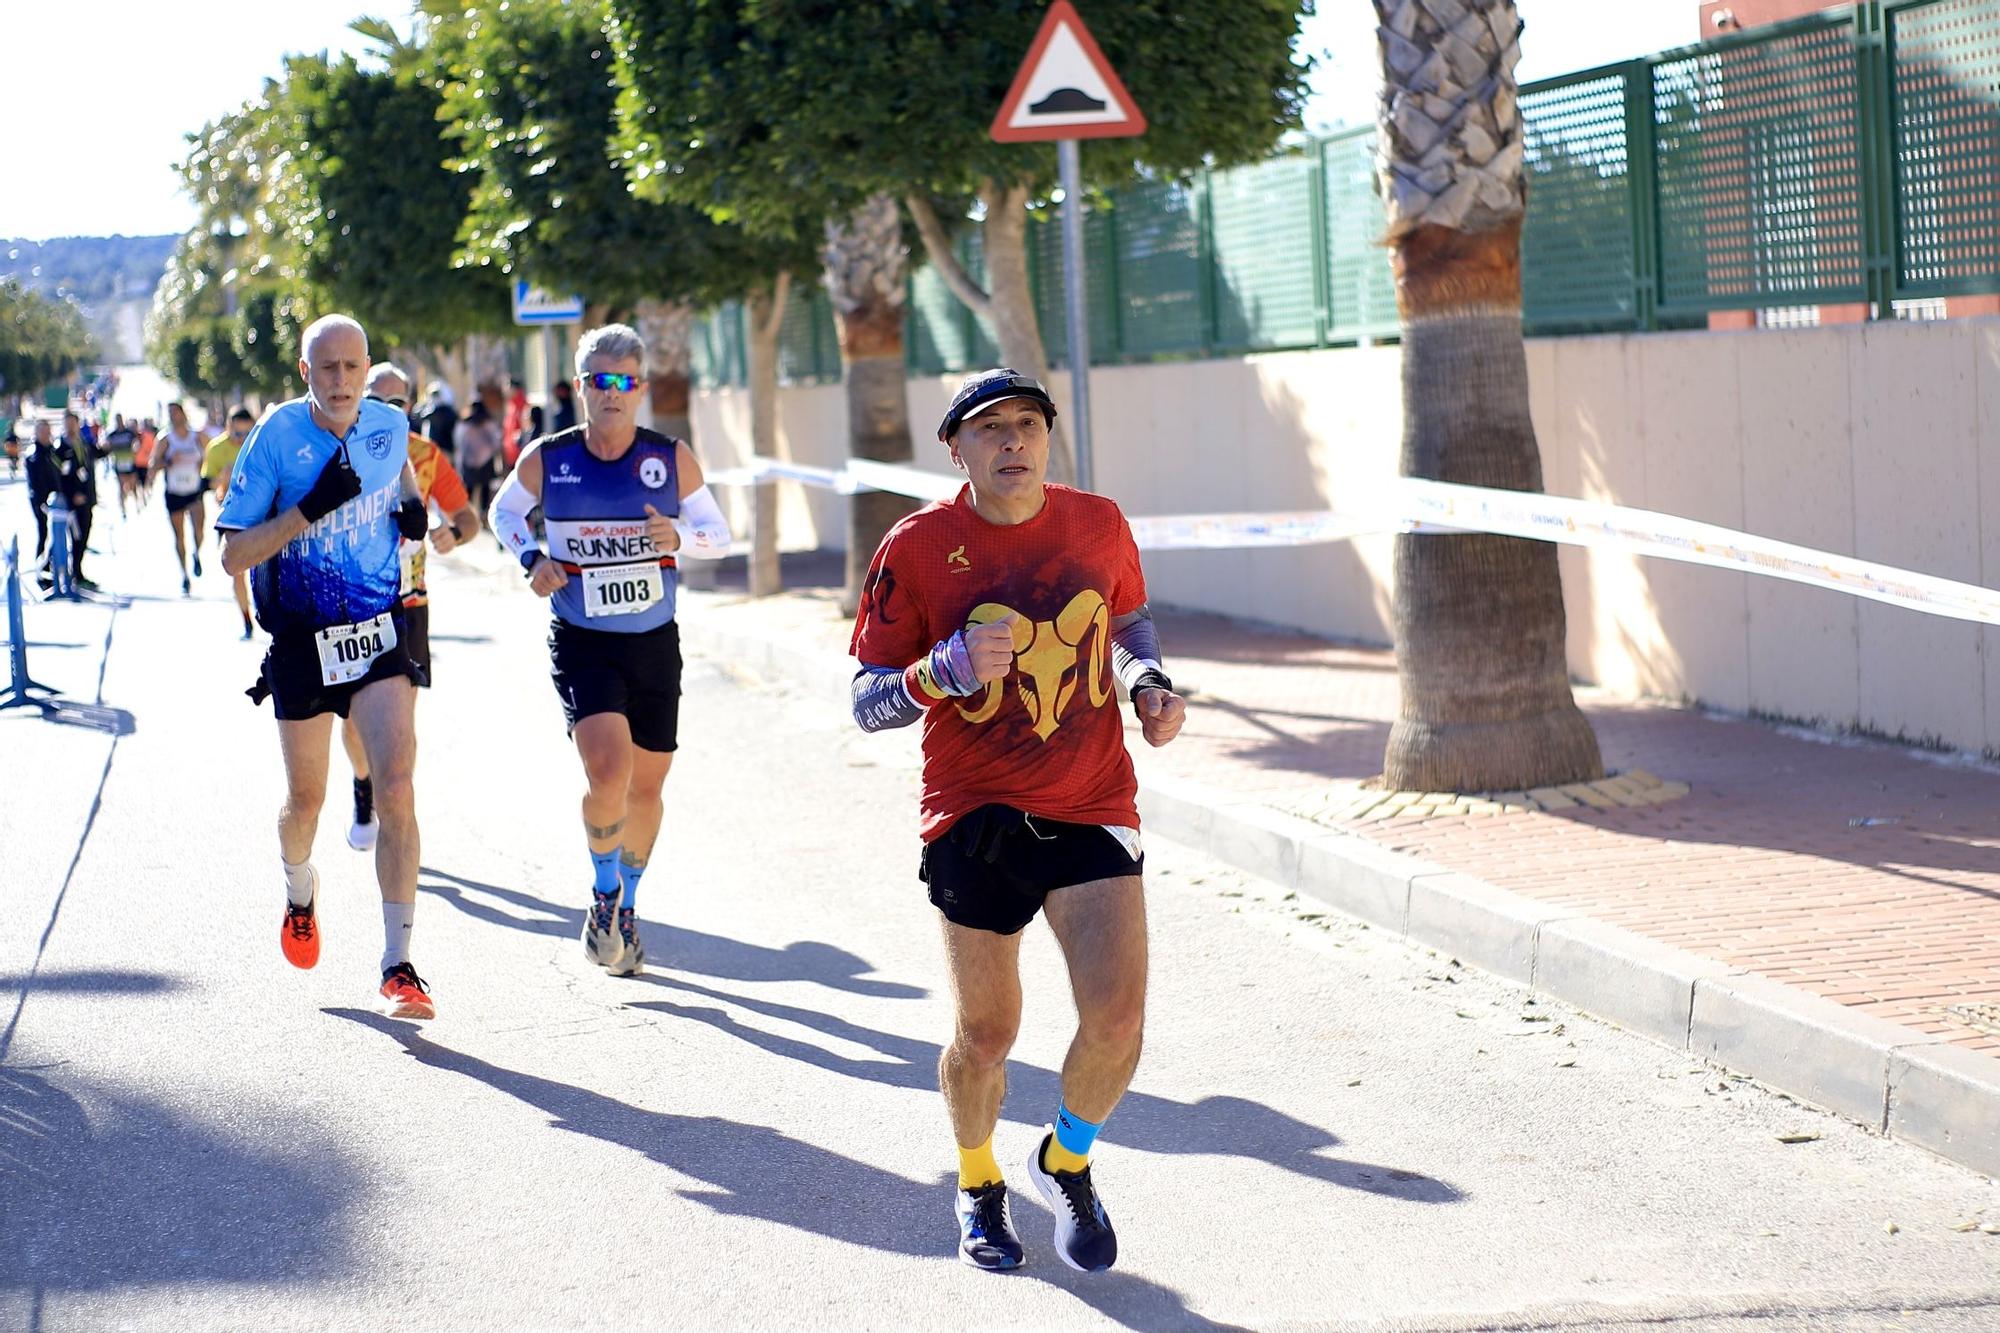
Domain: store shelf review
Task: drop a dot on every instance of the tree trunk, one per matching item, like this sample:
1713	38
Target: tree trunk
668	328
767	318
865	265
1009	307
1480	638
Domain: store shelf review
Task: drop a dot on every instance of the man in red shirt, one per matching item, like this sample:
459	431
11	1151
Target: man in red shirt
1000	619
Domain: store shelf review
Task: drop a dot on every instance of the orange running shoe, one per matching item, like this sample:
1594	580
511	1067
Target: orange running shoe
299	936
404	994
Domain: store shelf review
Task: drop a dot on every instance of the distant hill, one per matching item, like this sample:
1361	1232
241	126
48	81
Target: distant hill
93	269
111	277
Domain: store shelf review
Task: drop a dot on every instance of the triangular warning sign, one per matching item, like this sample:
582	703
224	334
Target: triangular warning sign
1066	88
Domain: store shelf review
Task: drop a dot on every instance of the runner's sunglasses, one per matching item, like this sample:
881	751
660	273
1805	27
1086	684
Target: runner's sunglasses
605	380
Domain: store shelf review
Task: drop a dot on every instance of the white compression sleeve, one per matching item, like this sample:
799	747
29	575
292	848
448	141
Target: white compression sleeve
704	531
509	516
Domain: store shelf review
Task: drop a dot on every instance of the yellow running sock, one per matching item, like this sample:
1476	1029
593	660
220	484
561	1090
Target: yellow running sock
1058	1158
977	1166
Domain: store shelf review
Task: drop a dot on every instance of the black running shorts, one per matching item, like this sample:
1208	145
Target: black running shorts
637	675
176	503
291	678
992	868
416	630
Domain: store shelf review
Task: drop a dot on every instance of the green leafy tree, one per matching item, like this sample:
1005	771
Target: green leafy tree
42	339
745	107
527	93
365	203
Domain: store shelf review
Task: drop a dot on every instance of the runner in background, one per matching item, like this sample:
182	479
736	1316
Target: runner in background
439	485
217	463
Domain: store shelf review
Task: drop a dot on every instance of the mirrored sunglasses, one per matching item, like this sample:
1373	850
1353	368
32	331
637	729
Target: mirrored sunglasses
604	381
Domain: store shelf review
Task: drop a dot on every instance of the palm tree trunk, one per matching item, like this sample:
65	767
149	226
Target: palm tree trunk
1009	307
865	263
1480	639
767	318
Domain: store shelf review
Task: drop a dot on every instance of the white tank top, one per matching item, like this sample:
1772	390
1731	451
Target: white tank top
183	457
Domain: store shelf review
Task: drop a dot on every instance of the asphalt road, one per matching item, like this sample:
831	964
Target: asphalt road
1329	1129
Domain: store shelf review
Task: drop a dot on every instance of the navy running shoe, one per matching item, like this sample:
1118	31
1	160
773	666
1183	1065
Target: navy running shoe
986	1237
1084	1237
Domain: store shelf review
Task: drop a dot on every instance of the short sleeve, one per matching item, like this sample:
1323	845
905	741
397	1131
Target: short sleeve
447	487
253	483
1128	580
889	629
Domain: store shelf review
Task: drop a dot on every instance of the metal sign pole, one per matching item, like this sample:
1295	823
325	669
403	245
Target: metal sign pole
1069	167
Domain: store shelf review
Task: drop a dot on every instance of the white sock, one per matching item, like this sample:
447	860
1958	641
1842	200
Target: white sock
397	919
298	882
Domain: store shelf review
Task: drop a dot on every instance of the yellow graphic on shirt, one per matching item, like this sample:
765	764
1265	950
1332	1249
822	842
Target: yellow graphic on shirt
1050	660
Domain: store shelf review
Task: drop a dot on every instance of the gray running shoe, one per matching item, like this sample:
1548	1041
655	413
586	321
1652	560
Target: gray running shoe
632	956
601	944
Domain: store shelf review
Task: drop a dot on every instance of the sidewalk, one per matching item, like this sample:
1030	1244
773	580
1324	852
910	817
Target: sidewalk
1818	913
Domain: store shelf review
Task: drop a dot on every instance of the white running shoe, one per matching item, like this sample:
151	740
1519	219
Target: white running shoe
632	952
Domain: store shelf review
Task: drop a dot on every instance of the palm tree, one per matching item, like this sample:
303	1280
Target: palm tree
865	261
1478	618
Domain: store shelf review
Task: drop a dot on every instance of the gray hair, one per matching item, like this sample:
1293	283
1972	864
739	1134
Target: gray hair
619	342
382	370
326	324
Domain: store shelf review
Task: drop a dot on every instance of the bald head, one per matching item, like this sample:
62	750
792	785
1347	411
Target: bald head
334	364
328	326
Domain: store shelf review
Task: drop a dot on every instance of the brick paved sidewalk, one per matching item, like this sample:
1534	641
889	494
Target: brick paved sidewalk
1765	864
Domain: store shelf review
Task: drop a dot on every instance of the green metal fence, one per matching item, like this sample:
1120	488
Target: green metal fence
1849	157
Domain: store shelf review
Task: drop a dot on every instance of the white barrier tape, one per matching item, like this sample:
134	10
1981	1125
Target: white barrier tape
1442	506
1414	505
1194	532
910	481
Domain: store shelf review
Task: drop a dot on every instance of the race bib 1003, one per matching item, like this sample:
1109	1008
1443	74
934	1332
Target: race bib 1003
347	651
621	590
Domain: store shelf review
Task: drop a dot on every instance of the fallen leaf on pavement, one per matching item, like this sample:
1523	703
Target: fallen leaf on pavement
1798	1138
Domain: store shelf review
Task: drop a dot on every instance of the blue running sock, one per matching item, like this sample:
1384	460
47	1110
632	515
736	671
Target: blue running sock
628	875
1070	1149
606	864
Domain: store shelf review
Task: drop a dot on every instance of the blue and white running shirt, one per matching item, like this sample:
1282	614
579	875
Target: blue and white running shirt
344	568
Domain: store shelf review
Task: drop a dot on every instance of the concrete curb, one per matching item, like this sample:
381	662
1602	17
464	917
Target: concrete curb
1894	1079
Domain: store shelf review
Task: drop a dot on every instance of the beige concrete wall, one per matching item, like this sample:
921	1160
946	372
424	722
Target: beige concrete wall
1880	441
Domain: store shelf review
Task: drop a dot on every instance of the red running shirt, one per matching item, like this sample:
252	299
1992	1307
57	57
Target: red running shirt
1047	738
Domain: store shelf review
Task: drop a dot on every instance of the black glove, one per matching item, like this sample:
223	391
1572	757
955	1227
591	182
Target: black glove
338	483
413	519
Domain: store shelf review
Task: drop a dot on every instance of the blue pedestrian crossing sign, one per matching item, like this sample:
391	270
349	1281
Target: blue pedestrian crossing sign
532	305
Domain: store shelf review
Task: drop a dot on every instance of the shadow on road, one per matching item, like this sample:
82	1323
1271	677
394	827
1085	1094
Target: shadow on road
136	1192
758	1172
1218	1125
101	981
692	950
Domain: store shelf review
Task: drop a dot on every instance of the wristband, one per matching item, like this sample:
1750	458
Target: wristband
1150	679
528	559
945	672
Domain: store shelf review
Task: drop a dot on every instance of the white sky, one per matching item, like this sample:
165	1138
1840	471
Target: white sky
93	123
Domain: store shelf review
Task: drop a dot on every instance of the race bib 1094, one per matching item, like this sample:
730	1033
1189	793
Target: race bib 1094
347	651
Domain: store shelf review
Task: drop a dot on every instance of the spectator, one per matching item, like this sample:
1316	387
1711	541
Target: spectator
514	423
436	418
478	444
562	407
